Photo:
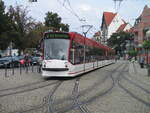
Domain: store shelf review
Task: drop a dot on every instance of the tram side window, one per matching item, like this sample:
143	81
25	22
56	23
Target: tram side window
99	53
88	55
72	53
76	53
79	54
93	54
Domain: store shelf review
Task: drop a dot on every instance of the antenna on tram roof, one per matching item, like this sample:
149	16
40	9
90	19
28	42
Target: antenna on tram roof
88	28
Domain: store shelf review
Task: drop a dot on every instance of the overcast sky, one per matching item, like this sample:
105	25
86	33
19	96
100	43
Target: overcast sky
89	10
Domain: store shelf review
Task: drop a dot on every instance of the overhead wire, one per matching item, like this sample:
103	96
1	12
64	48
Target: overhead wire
119	4
72	11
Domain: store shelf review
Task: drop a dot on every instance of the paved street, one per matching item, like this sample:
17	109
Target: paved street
122	87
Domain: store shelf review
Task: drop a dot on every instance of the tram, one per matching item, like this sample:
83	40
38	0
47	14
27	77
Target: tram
71	54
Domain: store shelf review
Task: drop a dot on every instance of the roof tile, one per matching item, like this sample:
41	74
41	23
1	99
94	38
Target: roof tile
109	16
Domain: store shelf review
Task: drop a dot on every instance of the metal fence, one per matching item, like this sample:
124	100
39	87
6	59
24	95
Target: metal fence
20	69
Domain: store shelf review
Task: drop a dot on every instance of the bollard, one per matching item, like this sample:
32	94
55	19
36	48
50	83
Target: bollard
20	66
32	67
26	68
39	68
5	70
13	69
148	70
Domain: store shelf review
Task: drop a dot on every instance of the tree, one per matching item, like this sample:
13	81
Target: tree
53	21
146	44
22	24
119	40
133	53
64	27
35	35
5	27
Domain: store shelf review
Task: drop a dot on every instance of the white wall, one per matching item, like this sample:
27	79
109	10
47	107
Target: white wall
128	26
115	24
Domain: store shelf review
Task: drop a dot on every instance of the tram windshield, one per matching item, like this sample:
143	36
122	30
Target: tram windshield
56	49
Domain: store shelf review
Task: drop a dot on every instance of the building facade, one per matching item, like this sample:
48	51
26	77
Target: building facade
111	23
141	26
141	31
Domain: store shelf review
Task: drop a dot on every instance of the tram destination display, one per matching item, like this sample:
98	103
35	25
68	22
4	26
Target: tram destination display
57	35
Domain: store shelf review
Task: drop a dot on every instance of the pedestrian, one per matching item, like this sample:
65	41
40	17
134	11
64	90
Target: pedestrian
142	62
26	58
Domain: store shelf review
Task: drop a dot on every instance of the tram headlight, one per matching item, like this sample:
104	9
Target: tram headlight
66	64
44	64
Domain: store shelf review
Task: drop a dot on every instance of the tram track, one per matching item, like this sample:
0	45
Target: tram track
46	105
80	104
49	103
25	88
98	82
137	85
76	101
25	85
133	95
75	104
114	81
135	78
50	98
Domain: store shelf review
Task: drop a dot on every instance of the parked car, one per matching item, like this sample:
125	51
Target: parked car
9	61
35	60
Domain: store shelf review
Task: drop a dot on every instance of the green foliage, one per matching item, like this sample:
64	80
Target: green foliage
53	21
22	30
146	44
22	24
119	39
5	27
132	53
35	35
64	27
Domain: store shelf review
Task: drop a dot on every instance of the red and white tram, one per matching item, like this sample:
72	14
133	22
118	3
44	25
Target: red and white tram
71	54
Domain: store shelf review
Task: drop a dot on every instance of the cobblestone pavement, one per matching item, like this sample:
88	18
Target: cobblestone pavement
122	87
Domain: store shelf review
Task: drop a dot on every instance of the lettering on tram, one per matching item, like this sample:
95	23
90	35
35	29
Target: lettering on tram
60	35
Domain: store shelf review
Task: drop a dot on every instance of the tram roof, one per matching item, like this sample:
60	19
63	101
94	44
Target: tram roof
80	39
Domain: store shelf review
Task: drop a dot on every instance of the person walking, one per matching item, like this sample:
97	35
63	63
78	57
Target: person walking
142	62
26	60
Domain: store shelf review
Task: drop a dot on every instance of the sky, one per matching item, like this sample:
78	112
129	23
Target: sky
82	12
